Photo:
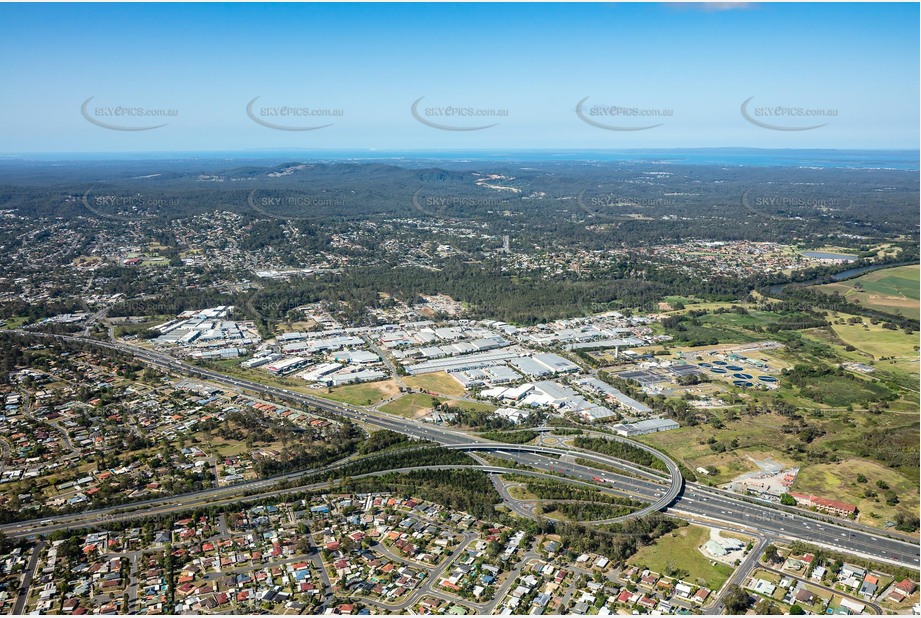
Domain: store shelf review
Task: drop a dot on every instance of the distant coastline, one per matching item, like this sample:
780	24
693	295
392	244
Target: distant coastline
742	157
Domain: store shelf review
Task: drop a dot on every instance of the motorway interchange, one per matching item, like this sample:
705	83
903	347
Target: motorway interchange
667	493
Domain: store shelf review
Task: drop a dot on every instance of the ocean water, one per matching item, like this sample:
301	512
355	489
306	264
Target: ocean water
741	157
729	157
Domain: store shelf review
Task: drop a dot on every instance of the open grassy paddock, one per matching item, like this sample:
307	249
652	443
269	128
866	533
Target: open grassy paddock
439	382
879	342
678	551
891	290
367	394
412	405
840	481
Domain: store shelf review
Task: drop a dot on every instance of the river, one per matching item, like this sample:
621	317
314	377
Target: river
777	290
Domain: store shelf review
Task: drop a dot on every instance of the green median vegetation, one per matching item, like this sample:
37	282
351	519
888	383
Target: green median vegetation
620	450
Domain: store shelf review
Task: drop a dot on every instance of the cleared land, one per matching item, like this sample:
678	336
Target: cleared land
839	481
415	405
678	551
410	406
439	382
891	290
14	322
879	342
367	394
757	437
476	406
856	440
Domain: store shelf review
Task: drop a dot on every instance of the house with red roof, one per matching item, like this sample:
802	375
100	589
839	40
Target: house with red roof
827	505
647	602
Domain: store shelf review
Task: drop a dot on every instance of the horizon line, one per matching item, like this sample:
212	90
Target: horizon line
372	151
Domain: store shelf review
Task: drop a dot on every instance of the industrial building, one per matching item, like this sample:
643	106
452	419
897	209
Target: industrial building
641	428
604	389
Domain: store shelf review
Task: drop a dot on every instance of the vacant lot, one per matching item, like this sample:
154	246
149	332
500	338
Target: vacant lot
470	405
892	290
678	551
878	341
839	481
840	391
410	406
362	394
757	437
439	382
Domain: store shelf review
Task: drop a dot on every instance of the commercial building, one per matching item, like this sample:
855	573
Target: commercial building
357	357
606	390
286	366
641	428
827	505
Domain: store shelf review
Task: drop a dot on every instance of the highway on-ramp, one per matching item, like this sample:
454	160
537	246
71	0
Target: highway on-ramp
690	498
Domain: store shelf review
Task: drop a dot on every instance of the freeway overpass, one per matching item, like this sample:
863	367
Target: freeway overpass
694	499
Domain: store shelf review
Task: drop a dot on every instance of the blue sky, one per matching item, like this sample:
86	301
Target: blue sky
695	63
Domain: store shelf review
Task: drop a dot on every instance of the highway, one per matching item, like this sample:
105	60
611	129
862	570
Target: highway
688	498
704	503
168	508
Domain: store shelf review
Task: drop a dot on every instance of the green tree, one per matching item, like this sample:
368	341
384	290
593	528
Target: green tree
737	600
770	554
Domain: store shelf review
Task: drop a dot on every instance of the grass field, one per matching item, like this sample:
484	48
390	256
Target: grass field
891	290
419	404
14	322
678	550
839	391
757	437
439	382
363	394
411	406
839	481
518	492
878	341
470	405
899	373
846	434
